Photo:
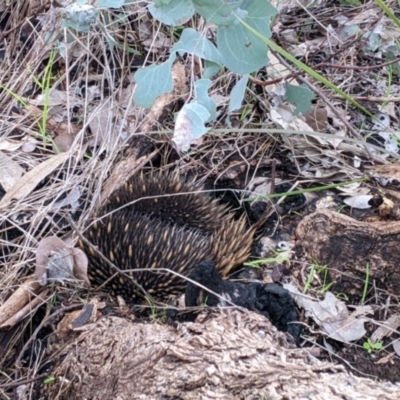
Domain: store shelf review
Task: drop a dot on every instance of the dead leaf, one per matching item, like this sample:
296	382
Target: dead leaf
353	189
27	183
332	315
390	109
387	174
360	202
72	200
55	98
64	142
396	347
386	208
29	146
78	321
10	145
56	262
275	70
11	172
160	41
385	359
101	122
317	118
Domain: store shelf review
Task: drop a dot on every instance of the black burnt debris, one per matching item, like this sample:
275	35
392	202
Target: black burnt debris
271	300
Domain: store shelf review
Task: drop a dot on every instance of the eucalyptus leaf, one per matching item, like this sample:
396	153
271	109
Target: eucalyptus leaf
237	94
189	125
193	43
242	51
174	12
152	82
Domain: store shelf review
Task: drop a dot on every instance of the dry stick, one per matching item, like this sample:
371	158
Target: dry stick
373	98
356	67
24	312
323	64
330	105
23	382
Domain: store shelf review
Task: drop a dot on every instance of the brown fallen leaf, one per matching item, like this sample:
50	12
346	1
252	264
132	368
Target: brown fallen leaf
64	142
317	118
56	262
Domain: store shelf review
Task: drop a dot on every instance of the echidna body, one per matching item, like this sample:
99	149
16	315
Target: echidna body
157	222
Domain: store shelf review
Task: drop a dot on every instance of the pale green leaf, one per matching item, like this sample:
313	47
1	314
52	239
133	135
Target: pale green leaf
193	43
175	12
201	95
242	51
152	82
237	94
300	96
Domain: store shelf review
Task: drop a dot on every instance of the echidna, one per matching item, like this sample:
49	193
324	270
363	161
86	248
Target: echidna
159	221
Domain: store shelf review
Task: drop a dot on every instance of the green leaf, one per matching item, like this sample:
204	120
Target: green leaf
152	82
193	43
300	96
110	3
242	51
201	95
79	17
355	3
237	94
160	3
210	69
174	12
377	346
374	41
219	12
48	380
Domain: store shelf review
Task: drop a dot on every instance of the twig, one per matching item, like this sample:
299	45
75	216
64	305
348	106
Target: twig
22	382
